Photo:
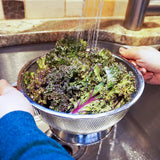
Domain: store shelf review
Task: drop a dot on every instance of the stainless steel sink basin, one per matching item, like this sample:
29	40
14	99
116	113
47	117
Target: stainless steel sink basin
135	137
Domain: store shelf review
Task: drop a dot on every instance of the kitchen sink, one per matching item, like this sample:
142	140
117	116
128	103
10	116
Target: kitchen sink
135	137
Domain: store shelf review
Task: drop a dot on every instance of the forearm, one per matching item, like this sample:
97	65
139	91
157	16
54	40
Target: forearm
21	139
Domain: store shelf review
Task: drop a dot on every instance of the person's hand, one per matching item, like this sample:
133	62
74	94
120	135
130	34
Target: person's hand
146	60
12	100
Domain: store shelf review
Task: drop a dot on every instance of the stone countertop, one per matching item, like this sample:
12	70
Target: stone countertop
17	32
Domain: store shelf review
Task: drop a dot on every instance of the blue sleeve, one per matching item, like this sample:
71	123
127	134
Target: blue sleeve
20	139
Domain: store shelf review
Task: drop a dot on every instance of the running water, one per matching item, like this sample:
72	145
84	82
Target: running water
94	23
93	32
82	22
99	150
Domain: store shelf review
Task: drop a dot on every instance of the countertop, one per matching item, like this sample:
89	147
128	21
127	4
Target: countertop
18	32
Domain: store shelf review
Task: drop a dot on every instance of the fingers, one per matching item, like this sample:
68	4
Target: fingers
152	78
148	75
141	63
137	57
142	70
133	62
134	56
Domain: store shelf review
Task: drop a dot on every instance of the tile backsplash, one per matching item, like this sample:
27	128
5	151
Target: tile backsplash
37	9
13	9
43	9
73	8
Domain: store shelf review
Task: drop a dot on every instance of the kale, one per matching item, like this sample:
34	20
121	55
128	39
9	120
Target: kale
74	79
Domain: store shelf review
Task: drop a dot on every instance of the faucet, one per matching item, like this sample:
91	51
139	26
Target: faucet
137	10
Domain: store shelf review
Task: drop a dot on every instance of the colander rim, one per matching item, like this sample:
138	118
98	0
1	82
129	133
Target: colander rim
86	116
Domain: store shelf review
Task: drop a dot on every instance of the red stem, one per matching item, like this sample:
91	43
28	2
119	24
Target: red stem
91	99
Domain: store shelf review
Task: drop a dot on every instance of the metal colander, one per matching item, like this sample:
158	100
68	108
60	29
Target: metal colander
83	124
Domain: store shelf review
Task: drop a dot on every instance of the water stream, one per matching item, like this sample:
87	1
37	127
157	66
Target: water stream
94	28
82	22
93	24
99	149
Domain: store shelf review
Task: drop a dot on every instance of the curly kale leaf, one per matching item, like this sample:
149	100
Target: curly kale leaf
65	50
70	45
41	63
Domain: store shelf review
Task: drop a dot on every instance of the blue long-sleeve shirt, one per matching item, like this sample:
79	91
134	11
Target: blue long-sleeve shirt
20	139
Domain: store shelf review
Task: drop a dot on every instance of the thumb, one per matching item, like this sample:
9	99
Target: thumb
5	87
129	53
12	100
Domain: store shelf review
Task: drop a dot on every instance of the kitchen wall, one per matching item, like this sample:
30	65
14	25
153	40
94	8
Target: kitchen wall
1	11
44	9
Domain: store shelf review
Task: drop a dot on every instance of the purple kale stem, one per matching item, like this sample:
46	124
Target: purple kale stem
91	99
